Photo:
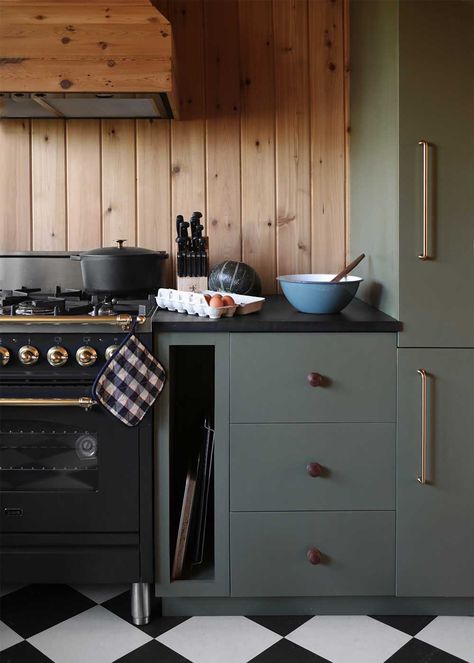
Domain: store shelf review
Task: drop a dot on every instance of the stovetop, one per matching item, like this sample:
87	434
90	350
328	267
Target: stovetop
31	302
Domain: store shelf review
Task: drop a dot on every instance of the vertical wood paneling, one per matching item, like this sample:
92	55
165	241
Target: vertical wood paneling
48	185
83	184
258	138
153	185
188	190
262	147
292	137
223	128
15	200
326	63
118	181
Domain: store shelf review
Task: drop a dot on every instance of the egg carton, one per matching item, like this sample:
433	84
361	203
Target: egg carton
194	303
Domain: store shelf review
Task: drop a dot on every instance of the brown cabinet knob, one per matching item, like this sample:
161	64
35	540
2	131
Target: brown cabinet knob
314	556
315	379
314	469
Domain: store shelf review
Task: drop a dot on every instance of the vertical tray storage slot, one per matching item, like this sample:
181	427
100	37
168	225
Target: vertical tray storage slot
191	473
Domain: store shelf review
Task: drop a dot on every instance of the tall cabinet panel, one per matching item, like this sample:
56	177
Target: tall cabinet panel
436	210
435	553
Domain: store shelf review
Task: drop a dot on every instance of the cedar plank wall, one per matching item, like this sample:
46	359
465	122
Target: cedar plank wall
261	148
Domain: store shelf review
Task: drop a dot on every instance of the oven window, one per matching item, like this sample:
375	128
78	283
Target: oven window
47	457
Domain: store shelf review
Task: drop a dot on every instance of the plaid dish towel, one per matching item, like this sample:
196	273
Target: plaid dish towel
130	381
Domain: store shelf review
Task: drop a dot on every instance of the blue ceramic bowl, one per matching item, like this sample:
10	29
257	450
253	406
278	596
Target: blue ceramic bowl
314	293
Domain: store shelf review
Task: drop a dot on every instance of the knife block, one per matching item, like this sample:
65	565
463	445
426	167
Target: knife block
191	283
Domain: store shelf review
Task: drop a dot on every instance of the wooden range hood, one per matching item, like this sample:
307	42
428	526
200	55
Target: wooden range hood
85	58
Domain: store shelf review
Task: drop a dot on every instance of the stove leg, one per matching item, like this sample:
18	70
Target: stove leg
140	603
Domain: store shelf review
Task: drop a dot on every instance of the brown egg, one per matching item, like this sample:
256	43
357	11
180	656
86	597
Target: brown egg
207	298
228	301
216	301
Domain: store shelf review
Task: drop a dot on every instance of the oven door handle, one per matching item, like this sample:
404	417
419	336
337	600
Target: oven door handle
83	401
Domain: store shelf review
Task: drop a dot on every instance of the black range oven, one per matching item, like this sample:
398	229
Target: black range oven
75	483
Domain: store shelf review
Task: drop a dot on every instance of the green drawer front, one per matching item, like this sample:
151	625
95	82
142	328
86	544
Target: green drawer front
269	377
269	467
269	554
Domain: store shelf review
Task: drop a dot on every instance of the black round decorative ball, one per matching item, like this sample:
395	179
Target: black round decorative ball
238	277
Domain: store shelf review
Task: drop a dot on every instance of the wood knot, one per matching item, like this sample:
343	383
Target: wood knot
214	222
65	84
70	28
331	66
66	40
110	63
103	45
40	17
175	170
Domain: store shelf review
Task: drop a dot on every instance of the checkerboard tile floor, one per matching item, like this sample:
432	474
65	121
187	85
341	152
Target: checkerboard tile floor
63	624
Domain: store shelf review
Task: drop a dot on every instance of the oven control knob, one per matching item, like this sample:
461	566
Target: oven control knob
57	355
4	356
110	351
86	356
28	355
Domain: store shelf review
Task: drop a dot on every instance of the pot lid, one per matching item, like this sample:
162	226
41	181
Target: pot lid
121	251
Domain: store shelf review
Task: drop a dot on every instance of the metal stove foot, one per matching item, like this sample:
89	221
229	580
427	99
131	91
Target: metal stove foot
140	603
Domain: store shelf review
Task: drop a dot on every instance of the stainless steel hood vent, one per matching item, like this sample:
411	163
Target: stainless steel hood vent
101	105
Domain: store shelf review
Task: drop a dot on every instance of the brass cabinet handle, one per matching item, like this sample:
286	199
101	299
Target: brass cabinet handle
424	424
83	401
424	255
123	320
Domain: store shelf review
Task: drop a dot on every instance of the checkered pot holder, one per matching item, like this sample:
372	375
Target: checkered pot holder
130	381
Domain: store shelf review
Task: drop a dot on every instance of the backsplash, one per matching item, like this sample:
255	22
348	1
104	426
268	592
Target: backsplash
261	148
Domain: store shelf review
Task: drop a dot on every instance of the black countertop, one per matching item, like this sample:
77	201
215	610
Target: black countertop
278	315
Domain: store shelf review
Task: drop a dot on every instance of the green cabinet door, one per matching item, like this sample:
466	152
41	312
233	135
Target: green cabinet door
436	79
435	553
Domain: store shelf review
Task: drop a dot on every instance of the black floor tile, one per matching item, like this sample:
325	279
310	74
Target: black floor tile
411	624
120	606
285	651
417	651
35	608
152	652
23	652
283	625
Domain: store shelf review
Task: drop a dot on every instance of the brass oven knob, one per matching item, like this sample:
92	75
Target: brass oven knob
57	355
110	351
4	356
86	356
28	355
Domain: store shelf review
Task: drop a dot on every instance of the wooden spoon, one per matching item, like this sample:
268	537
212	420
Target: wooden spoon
348	269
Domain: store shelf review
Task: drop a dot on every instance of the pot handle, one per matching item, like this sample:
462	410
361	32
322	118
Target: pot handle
75	257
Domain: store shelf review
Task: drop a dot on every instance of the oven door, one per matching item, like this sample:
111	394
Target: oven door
64	468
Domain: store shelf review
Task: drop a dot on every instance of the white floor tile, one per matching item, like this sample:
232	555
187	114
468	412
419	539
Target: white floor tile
101	593
452	634
8	637
219	639
95	636
357	639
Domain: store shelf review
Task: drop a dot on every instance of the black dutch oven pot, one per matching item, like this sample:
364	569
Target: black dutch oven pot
122	270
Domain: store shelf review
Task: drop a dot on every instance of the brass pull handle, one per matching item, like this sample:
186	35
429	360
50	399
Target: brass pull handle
424	424
83	401
424	255
314	556
123	320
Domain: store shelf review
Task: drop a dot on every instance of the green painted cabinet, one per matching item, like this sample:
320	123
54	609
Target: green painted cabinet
312	467
435	552
271	553
269	377
412	80
436	83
